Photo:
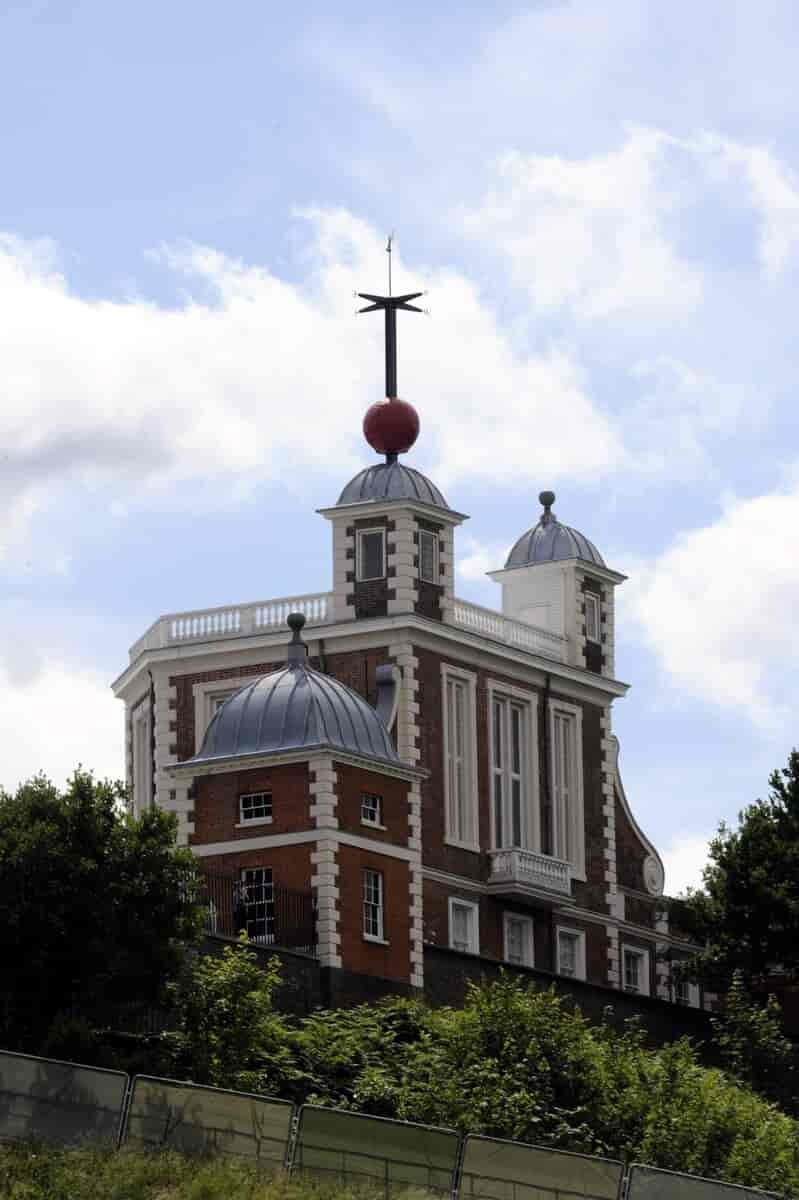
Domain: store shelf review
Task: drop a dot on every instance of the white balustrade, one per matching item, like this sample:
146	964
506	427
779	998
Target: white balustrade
214	624
504	629
529	867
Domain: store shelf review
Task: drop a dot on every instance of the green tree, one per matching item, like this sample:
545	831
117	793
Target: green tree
95	906
746	916
229	1034
752	1047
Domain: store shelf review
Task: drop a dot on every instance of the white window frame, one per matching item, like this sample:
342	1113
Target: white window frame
268	902
530	807
468	680
141	730
425	533
367	821
592	604
576	813
207	699
692	1000
379	905
360	534
641	953
247	822
579	957
528	944
473	944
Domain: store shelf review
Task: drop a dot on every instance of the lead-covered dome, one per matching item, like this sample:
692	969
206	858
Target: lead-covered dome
391	481
295	708
550	541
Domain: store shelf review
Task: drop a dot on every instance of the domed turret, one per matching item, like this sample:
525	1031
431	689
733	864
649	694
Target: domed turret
295	708
550	541
391	481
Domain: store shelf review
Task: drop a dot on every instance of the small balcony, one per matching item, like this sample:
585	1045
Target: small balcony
525	873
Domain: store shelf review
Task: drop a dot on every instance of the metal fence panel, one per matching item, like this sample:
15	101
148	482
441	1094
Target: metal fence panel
650	1183
360	1148
500	1170
60	1103
207	1120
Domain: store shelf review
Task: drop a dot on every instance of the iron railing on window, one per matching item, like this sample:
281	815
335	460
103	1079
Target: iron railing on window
291	919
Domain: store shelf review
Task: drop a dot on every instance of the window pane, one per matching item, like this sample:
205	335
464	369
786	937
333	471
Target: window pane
591	617
632	974
516	741
461	927
256	806
371	564
427	556
516	815
256	905
515	935
499	832
498	733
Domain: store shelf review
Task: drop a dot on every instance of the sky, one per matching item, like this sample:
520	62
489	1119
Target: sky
602	204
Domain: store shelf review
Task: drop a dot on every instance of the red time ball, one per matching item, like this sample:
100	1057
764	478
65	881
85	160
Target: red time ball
391	426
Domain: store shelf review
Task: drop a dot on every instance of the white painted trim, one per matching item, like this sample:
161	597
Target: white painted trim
642	952
377	766
204	694
423	533
142	755
253	821
580	971
622	796
578	814
359	536
471	783
351	634
387	849
507	917
474	940
591	599
459	881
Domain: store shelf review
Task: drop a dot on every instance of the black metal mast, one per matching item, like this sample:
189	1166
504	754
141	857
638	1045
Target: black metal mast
391	305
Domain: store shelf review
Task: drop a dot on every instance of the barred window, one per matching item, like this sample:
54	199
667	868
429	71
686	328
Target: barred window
371	809
258	903
372	904
256	806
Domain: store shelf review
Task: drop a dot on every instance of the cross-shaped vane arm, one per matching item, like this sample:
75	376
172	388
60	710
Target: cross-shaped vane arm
390	304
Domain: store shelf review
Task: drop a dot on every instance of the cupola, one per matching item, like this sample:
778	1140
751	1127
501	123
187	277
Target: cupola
556	579
294	708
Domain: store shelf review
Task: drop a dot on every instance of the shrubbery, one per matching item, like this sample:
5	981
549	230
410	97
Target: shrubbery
513	1063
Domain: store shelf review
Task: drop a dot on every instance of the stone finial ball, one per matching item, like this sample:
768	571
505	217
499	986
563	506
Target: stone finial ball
391	426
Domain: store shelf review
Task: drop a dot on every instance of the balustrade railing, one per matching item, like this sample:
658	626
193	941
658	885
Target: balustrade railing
238	620
504	629
530	867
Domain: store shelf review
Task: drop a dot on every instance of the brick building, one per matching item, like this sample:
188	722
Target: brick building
429	773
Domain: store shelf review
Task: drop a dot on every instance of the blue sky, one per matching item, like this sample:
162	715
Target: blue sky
603	204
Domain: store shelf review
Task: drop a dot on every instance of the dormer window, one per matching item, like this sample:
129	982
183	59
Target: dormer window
591	617
371	558
428	556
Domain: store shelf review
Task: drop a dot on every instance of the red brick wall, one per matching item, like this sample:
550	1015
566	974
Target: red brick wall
291	865
351	781
630	854
370	958
216	805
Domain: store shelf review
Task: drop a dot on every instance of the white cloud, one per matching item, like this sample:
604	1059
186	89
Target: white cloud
598	236
683	860
588	234
255	378
475	558
53	716
719	607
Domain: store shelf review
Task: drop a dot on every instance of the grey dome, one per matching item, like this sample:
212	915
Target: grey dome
550	541
295	708
391	481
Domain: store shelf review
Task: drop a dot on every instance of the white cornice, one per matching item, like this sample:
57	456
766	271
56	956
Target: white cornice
368	508
403	626
246	762
581	564
241	845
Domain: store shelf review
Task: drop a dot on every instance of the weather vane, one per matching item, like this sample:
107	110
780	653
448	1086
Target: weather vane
390	305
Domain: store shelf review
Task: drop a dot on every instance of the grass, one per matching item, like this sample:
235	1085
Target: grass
42	1173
